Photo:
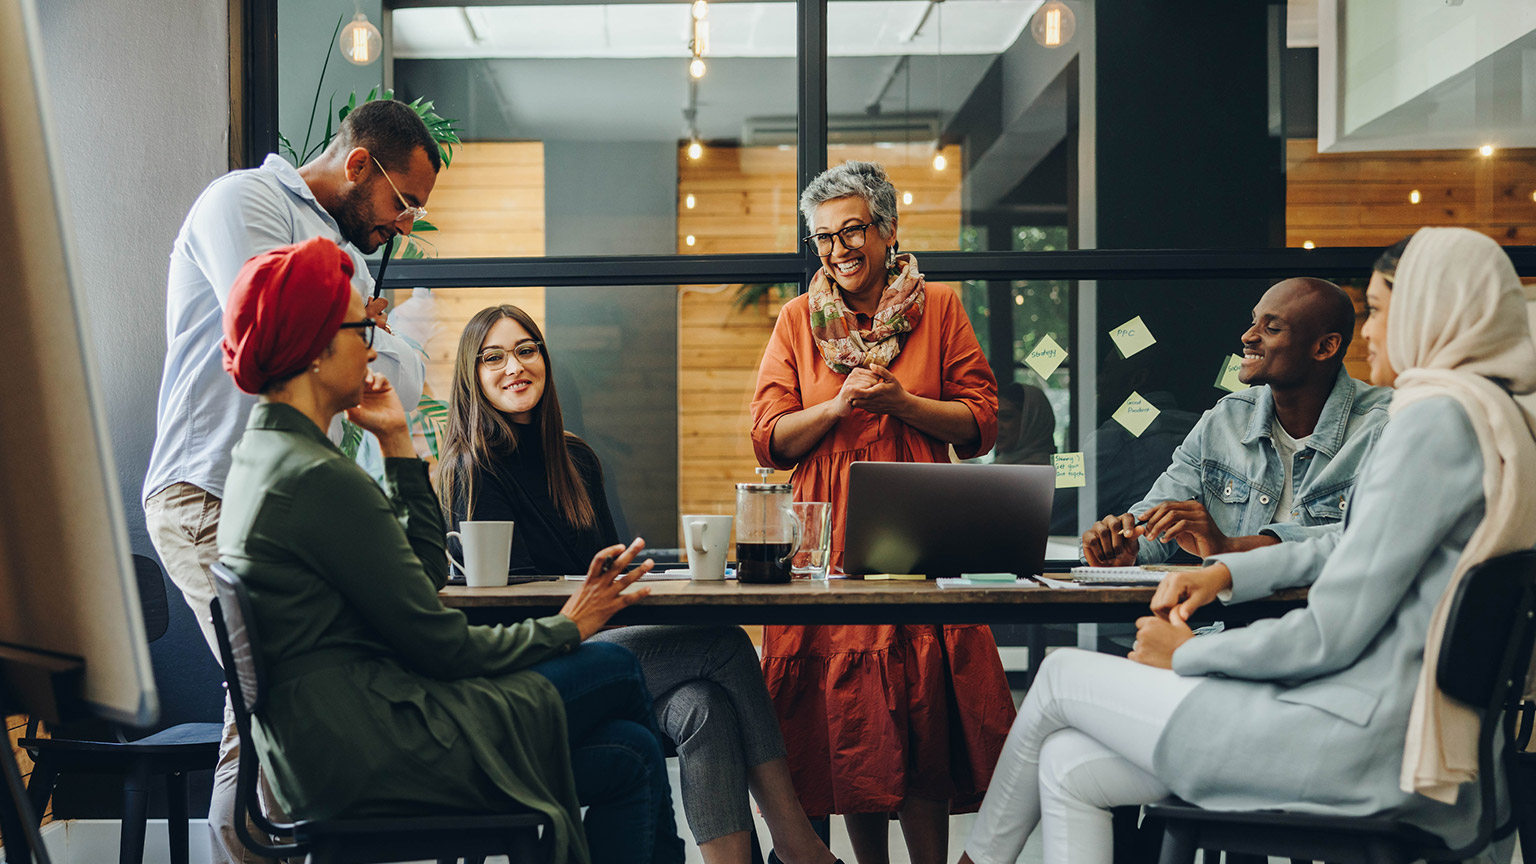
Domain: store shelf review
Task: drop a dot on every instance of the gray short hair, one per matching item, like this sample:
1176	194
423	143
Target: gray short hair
867	180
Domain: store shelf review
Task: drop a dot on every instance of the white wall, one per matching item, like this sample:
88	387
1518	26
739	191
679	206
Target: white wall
140	102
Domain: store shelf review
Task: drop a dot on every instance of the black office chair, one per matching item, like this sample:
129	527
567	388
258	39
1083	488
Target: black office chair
346	841
1484	659
170	753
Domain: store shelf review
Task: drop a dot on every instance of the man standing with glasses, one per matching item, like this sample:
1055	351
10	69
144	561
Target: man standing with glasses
368	186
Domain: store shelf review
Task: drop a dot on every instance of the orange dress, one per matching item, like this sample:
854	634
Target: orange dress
874	714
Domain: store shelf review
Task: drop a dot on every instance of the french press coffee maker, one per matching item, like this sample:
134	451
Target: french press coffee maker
767	530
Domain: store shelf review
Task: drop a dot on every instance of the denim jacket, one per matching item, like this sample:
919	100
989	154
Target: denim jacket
1229	463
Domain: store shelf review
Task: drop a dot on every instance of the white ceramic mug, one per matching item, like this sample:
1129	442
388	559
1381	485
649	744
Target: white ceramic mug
487	551
708	540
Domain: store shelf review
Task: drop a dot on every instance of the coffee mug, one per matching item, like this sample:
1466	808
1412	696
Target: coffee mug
487	552
708	540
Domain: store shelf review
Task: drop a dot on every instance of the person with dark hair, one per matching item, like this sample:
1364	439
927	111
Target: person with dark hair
507	456
383	701
1332	708
371	183
1026	426
1271	463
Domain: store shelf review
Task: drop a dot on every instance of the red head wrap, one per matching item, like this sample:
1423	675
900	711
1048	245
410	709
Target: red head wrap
284	309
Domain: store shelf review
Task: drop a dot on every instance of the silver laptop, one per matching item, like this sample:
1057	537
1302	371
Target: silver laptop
943	519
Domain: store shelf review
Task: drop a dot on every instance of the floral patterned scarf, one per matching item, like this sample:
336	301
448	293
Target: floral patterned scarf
845	348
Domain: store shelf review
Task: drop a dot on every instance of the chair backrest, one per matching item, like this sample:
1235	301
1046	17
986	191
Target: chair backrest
245	678
1491	618
152	599
1485	655
243	667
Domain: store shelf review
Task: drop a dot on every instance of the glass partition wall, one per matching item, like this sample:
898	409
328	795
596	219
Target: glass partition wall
630	173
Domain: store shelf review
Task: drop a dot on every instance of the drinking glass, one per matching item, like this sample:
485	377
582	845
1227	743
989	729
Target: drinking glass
810	561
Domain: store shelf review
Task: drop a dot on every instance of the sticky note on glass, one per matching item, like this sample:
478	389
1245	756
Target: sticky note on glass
1070	472
1132	337
1227	379
1136	414
1046	357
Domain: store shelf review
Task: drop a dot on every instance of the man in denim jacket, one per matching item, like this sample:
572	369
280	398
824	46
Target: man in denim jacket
1274	462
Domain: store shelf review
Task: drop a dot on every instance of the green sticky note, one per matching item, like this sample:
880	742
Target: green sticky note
1136	414
1132	337
1226	378
1070	471
1046	357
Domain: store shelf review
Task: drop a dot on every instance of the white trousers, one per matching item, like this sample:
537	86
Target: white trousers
1082	743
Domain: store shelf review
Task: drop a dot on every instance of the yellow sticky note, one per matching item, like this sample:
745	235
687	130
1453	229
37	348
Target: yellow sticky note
1132	337
1226	379
1070	471
1136	414
1046	357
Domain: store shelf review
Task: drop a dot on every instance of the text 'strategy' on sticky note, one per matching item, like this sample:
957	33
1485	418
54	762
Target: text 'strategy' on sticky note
1132	337
1046	357
1136	414
1070	472
1226	377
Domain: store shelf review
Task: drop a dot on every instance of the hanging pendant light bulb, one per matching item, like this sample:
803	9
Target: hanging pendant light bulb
696	68
1053	24
939	162
700	9
360	41
695	149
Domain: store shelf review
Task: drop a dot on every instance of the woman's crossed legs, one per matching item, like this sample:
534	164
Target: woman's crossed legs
1082	743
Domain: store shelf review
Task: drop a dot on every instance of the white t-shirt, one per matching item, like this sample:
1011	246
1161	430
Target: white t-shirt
1287	447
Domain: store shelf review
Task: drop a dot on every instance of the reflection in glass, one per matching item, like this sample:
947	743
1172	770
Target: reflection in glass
587	125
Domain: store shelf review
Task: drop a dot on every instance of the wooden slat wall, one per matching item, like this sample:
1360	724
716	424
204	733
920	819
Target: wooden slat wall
745	201
488	202
1363	199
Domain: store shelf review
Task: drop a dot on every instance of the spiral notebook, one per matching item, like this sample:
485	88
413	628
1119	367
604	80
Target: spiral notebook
1117	575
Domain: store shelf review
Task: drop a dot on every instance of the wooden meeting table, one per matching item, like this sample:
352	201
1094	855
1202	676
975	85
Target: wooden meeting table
851	601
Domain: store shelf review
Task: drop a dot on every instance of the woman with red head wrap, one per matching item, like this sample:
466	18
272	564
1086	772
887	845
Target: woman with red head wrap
383	701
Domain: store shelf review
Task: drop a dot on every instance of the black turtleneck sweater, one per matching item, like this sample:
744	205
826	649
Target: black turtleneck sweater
517	490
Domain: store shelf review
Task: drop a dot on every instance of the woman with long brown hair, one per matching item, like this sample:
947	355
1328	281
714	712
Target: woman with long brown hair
508	457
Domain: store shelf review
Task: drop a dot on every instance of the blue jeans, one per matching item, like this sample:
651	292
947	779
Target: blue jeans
621	776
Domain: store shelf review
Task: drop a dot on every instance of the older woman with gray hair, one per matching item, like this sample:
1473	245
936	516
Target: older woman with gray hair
873	364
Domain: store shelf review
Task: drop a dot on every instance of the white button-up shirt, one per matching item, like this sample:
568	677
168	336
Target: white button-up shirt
201	413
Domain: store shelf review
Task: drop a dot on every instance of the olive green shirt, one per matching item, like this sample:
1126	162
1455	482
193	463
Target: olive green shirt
381	701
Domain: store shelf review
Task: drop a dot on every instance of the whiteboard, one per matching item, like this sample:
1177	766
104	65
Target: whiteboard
66	577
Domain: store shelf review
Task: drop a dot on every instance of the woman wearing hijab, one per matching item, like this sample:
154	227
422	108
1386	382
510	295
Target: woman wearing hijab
1331	708
1026	426
506	456
875	364
383	701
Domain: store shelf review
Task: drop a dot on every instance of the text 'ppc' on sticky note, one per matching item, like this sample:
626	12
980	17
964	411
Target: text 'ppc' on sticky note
1047	356
1226	378
1136	414
1132	337
1070	471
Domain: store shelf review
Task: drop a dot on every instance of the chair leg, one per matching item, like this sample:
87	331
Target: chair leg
40	785
135	815
177	825
1179	843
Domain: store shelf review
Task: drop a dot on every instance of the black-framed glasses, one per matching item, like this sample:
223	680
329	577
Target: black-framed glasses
526	353
368	325
851	237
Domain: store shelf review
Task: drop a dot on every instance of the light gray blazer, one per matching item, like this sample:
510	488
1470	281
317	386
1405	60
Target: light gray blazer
1309	711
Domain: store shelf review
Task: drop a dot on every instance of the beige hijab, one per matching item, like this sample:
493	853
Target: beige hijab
1457	327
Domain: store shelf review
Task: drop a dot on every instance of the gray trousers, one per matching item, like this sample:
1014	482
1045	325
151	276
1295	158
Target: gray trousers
712	704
